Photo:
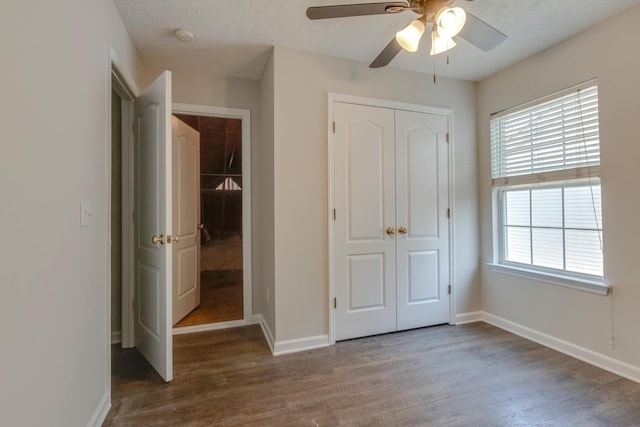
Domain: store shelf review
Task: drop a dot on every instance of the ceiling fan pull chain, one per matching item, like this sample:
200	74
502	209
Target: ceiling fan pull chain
447	59
434	72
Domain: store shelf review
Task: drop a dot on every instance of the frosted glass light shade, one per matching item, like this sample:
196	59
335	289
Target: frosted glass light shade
449	21
409	37
440	44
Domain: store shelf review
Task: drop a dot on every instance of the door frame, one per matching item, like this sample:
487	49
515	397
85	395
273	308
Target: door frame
247	282
124	85
396	105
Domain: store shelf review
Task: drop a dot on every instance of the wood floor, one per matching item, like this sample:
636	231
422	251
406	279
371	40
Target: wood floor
472	375
220	298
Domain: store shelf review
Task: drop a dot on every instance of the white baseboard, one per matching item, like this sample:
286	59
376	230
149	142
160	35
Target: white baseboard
259	318
300	344
602	361
101	411
471	317
208	327
116	337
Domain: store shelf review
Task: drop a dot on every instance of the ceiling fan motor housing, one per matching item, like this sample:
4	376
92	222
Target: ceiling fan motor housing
429	8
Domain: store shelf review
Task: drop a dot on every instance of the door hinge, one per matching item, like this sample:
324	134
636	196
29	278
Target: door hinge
448	213
447	136
334	127
335	302
449	290
334	214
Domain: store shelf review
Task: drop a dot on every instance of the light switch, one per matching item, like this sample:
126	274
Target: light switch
85	214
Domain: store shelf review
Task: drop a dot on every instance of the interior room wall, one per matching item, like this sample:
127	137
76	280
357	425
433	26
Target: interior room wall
264	220
302	83
55	104
606	51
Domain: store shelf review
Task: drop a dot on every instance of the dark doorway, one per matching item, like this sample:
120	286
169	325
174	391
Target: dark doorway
221	215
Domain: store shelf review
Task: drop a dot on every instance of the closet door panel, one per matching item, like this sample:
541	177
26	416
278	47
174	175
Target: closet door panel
364	254
421	209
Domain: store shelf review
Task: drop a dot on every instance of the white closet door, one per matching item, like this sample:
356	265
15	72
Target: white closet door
421	208
364	254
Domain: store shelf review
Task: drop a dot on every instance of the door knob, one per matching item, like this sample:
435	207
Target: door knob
402	230
172	239
390	231
158	239
200	226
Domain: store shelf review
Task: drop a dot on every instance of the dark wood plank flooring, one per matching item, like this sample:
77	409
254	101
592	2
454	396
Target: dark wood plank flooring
471	375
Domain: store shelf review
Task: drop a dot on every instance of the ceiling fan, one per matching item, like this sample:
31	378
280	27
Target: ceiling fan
446	22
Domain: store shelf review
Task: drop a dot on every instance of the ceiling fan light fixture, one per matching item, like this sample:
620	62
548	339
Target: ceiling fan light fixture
440	44
449	21
409	36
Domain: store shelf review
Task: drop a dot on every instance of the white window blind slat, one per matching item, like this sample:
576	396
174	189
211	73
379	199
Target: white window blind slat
556	135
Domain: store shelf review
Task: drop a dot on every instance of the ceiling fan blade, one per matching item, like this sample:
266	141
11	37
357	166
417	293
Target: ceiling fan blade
387	54
480	34
344	10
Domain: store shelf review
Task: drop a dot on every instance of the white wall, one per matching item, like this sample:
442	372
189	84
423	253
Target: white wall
608	52
302	83
54	109
264	276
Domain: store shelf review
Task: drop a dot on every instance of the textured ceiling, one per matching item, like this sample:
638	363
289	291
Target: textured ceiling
233	37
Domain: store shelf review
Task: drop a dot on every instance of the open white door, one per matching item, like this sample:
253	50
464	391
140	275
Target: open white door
186	217
153	263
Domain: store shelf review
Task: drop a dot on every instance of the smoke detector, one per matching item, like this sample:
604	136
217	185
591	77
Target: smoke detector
184	35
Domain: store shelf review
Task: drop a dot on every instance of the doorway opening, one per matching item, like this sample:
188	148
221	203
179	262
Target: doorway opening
120	207
128	98
221	188
225	217
116	216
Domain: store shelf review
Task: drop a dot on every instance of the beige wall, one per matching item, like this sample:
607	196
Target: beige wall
264	262
302	83
606	51
54	109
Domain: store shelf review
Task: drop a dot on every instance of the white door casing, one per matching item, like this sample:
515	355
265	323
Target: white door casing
364	255
186	217
407	186
153	201
422	200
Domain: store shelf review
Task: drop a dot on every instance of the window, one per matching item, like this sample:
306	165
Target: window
545	164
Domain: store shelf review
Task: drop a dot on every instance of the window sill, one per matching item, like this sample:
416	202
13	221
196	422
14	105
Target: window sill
579	284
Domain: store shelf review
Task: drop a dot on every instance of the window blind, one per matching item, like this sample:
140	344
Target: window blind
554	140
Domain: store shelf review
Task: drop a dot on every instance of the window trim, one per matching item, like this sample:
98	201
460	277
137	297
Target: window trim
594	287
568	279
586	175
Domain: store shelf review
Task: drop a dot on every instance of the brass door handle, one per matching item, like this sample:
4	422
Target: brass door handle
390	231
402	230
200	226
158	239
172	239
